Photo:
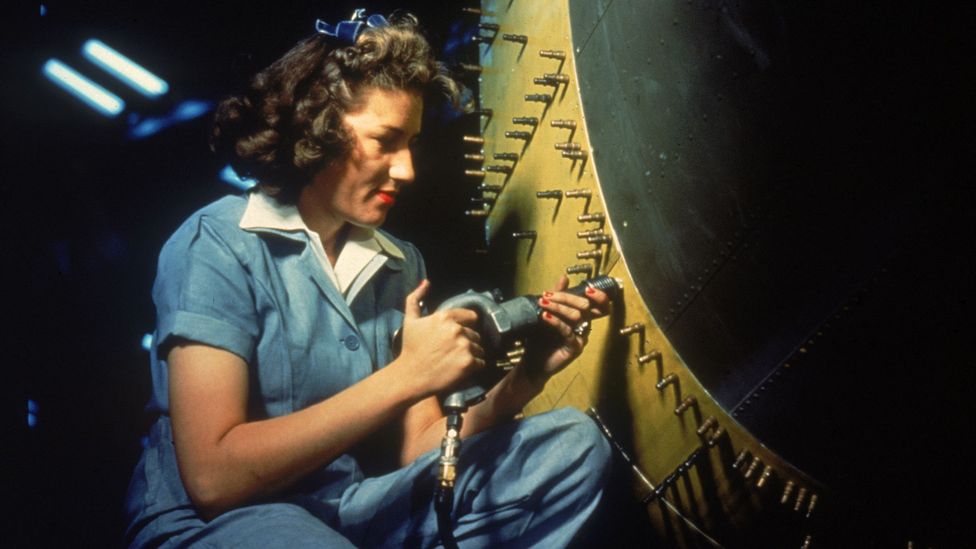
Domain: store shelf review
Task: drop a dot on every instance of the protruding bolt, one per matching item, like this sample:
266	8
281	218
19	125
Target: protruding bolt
688	402
716	436
787	492
477	213
709	423
556	194
474	173
567	124
575	155
634	328
489	26
486	112
578	193
807	542
468	67
471	11
473	139
801	496
515	353
589	233
599	239
751	470
539	97
589	254
567	146
478	39
545	81
515	134
667	380
652	356
498	169
580	269
490	188
520	38
557	77
811	505
475	157
506	156
553	54
597	217
764	477
527	235
525	120
740	459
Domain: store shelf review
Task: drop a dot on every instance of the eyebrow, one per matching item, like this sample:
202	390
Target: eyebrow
396	130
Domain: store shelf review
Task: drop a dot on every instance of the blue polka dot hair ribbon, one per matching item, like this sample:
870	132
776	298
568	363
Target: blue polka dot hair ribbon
349	31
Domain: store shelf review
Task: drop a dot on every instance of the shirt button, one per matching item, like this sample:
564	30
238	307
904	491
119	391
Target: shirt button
351	342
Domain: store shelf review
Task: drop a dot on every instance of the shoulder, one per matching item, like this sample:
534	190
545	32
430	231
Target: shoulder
216	223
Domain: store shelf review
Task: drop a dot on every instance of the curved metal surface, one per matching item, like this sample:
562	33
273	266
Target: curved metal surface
729	158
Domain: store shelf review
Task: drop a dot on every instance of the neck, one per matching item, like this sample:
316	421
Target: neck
332	229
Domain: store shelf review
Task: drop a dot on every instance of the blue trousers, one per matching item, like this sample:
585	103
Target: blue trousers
529	483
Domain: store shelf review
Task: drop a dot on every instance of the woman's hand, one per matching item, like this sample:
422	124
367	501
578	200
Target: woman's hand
567	315
439	349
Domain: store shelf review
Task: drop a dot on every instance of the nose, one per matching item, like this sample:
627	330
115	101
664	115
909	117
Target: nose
401	168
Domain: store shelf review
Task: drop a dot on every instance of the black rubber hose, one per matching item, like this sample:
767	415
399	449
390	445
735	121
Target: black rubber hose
443	504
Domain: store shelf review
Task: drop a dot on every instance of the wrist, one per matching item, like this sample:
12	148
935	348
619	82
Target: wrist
405	381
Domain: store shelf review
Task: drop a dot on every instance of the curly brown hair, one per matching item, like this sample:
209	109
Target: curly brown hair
288	124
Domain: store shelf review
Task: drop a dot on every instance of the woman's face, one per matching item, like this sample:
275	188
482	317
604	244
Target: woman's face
362	187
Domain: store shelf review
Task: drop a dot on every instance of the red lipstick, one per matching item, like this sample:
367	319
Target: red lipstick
386	197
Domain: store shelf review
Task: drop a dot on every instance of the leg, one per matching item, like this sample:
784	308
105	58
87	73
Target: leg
266	525
527	483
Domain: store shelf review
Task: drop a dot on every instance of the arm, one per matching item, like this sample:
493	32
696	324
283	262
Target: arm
226	460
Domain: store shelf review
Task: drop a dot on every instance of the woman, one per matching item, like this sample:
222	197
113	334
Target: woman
271	360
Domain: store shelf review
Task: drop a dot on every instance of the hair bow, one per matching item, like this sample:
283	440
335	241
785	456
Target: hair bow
349	31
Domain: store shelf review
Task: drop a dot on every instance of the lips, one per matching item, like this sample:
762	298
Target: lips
386	197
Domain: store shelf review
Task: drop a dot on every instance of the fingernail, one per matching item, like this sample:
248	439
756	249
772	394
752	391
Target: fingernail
547	314
547	294
545	301
590	290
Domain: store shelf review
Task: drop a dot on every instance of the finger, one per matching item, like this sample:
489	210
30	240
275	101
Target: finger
464	317
569	314
477	351
563	283
569	300
564	329
411	307
472	335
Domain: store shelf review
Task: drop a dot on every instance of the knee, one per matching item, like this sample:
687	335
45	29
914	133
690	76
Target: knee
584	438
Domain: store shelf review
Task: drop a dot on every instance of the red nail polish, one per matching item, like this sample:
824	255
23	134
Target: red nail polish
545	301
590	290
547	314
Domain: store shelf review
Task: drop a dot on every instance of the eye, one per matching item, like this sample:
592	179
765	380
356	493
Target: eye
387	142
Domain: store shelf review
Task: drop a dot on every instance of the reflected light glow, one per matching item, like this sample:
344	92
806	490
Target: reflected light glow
124	69
91	93
230	176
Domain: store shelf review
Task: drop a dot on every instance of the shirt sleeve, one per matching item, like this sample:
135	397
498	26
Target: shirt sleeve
204	292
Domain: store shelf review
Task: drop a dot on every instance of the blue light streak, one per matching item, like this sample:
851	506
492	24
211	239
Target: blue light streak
230	176
141	128
124	69
91	93
32	410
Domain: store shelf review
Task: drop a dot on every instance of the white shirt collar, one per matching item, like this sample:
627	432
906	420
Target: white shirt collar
362	244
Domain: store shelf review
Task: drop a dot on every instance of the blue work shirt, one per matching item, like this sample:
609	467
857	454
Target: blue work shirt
264	296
